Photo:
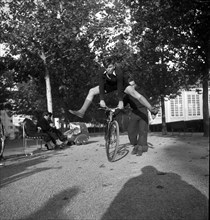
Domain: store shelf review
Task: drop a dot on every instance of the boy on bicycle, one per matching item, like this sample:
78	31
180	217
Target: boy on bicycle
111	79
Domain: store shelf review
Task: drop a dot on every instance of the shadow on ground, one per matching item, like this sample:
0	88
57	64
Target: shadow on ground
91	142
54	208
122	152
192	153
157	195
17	171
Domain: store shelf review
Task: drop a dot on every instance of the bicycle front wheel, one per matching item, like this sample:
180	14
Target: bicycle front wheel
112	141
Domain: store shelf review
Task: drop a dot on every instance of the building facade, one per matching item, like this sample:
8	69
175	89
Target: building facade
7	122
185	107
188	106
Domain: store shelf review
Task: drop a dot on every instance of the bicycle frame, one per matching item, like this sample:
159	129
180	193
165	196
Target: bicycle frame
110	116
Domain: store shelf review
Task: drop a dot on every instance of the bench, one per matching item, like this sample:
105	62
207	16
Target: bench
180	126
27	138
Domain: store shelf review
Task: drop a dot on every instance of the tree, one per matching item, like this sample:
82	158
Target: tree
28	98
43	34
201	44
194	18
6	84
57	41
4	94
164	34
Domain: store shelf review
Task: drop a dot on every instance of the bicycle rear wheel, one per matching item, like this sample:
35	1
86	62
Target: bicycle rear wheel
112	141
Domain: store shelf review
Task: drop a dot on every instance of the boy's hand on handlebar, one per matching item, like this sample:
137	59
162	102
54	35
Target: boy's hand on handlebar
120	105
102	104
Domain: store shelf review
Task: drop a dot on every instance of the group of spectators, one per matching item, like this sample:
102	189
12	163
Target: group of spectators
45	129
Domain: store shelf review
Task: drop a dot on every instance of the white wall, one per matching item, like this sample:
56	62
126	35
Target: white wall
9	127
188	106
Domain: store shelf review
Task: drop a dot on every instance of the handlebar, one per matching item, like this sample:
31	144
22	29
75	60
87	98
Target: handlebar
109	109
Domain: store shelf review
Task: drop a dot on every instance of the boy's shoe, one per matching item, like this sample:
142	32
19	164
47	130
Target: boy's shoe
66	142
139	152
77	113
145	148
61	146
135	149
154	110
58	147
49	145
58	142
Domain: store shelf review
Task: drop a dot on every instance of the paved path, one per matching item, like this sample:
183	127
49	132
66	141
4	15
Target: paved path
168	182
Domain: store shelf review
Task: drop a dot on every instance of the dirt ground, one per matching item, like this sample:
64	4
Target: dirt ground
170	181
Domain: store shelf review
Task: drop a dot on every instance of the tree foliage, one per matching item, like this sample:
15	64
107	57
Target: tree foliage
6	83
172	52
61	37
48	34
162	44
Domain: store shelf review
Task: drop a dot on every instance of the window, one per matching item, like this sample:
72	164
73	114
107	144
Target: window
193	104
176	107
159	114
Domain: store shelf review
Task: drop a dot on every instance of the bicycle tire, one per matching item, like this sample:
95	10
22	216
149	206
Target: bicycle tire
112	141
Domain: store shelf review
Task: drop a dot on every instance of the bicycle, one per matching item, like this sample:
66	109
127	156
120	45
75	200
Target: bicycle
111	133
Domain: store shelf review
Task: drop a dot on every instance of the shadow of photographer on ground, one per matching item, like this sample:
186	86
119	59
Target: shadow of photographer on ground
158	195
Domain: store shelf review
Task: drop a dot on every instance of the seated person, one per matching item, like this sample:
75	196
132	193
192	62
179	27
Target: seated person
54	129
32	130
44	124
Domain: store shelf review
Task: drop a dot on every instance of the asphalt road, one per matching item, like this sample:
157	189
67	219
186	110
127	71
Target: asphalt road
169	182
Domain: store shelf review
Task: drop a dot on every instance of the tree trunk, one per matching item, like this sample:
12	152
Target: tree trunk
164	127
48	90
47	81
205	95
